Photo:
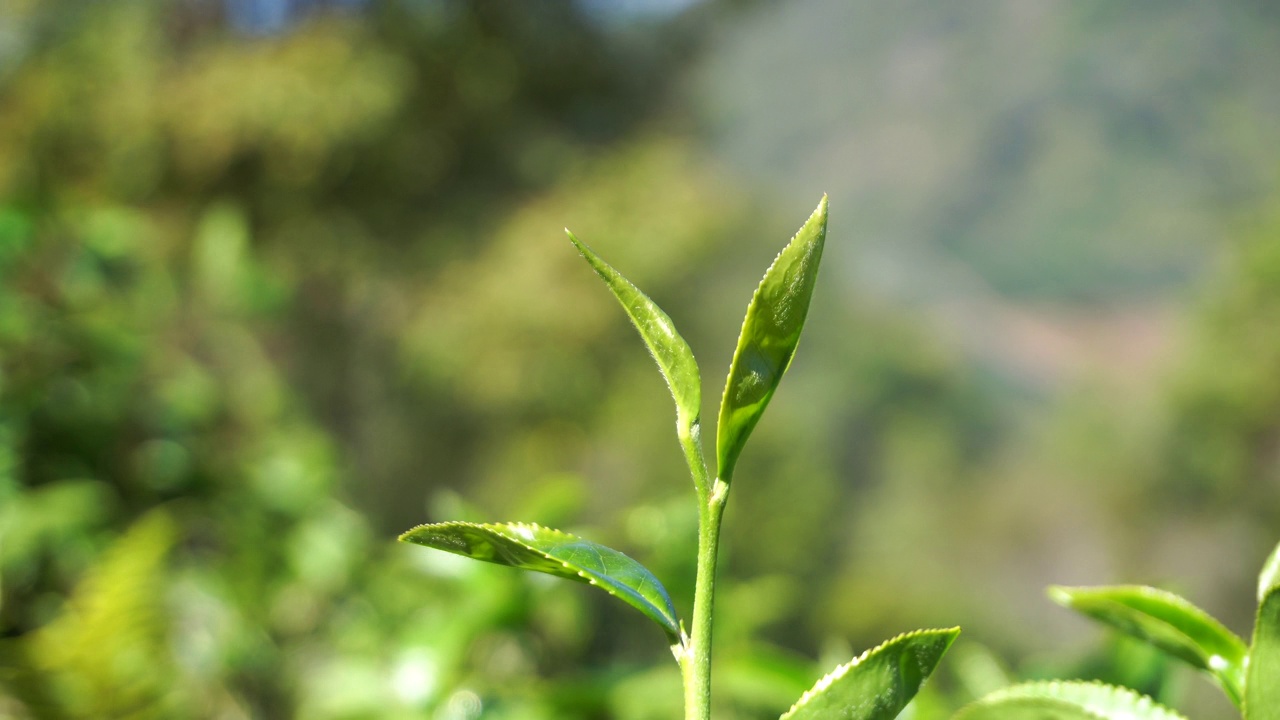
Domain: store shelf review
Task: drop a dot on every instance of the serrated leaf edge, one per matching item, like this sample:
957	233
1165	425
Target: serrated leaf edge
684	418
755	295
827	680
673	630
686	396
1032	690
821	209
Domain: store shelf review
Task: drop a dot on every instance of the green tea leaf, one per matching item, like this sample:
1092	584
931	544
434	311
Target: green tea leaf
1269	578
879	683
1066	700
770	333
669	349
1168	622
1262	686
532	547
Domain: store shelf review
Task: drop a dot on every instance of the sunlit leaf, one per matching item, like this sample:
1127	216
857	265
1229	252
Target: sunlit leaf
1168	622
769	337
1269	578
532	547
669	349
879	683
1066	700
1262	686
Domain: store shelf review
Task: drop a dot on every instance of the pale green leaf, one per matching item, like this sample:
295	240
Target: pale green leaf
1066	700
767	343
1269	578
532	547
1168	622
1262	685
879	683
669	349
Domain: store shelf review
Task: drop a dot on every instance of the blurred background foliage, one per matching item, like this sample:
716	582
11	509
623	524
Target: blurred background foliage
280	279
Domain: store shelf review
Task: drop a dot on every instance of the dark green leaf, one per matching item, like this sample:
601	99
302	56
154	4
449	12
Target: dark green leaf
669	349
532	547
880	683
1168	622
768	339
1262	686
1060	700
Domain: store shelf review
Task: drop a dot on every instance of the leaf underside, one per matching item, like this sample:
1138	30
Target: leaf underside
1262	686
669	349
1168	622
1066	700
532	547
879	683
767	342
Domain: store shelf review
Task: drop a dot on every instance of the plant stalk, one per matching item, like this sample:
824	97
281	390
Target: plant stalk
697	662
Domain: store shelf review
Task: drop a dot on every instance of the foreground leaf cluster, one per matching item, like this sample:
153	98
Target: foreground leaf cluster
875	686
1247	673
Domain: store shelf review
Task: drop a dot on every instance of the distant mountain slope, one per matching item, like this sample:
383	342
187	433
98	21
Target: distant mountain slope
1057	151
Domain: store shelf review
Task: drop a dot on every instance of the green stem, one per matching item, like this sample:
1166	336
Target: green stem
696	665
694	653
690	436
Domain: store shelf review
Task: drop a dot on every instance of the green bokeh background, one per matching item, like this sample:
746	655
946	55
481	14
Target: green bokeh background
279	280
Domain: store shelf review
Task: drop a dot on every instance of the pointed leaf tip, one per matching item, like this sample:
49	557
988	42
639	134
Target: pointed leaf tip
769	336
879	683
532	547
669	350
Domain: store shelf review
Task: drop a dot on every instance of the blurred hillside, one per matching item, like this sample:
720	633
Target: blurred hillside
1054	151
279	280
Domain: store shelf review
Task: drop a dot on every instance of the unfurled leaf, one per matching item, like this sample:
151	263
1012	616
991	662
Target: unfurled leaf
1063	700
1262	685
768	339
878	684
1168	622
532	547
669	349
